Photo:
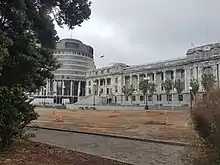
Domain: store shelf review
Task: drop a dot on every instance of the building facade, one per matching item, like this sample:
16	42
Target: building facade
107	82
69	83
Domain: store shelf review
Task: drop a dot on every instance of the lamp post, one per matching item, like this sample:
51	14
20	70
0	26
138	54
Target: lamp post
190	90
63	94
94	89
45	94
146	94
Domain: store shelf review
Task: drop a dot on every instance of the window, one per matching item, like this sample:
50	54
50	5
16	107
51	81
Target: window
191	72
96	73
182	74
108	70
150	98
90	91
126	98
171	75
116	89
159	97
107	92
71	45
89	83
45	92
101	91
108	81
180	97
162	77
133	98
102	71
141	98
169	97
116	80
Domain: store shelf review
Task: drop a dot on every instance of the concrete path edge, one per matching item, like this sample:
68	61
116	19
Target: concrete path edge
115	136
105	157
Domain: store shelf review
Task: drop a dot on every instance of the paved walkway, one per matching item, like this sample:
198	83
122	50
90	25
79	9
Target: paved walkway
140	153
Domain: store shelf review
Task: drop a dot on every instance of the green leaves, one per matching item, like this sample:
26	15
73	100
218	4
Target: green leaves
128	90
30	26
15	113
146	87
27	42
195	86
179	86
208	81
167	85
71	13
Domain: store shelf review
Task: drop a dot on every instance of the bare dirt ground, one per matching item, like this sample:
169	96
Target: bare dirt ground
144	124
32	153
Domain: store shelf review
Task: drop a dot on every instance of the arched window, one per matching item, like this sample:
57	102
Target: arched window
207	70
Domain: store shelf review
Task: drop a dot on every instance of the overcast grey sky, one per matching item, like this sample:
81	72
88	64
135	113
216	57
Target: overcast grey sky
142	31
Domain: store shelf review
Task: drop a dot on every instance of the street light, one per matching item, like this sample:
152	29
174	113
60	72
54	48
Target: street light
146	94
45	94
94	89
190	90
63	94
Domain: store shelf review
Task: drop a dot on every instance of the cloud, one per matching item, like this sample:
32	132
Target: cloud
142	31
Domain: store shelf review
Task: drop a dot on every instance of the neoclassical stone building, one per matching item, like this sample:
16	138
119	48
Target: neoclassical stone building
106	83
69	81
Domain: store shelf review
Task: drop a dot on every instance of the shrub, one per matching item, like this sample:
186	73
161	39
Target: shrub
15	114
206	123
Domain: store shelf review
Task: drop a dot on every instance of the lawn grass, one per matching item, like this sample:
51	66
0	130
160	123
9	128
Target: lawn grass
160	125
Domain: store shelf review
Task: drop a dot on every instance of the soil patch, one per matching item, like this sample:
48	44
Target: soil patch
33	153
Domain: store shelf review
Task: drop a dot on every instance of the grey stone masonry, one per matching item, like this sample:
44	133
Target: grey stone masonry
110	80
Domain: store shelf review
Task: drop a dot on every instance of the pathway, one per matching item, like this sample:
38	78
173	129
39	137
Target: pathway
140	153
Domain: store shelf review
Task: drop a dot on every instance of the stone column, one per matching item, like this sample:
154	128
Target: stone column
71	88
187	76
62	86
215	73
155	77
164	75
46	87
195	72
41	91
200	77
138	82
174	75
79	85
55	87
105	86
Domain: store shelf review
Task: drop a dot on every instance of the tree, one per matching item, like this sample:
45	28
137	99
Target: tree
14	116
147	87
152	88
27	42
168	86
179	86
144	88
128	91
195	87
208	81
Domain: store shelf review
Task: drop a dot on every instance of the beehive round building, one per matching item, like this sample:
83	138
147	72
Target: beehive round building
69	81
